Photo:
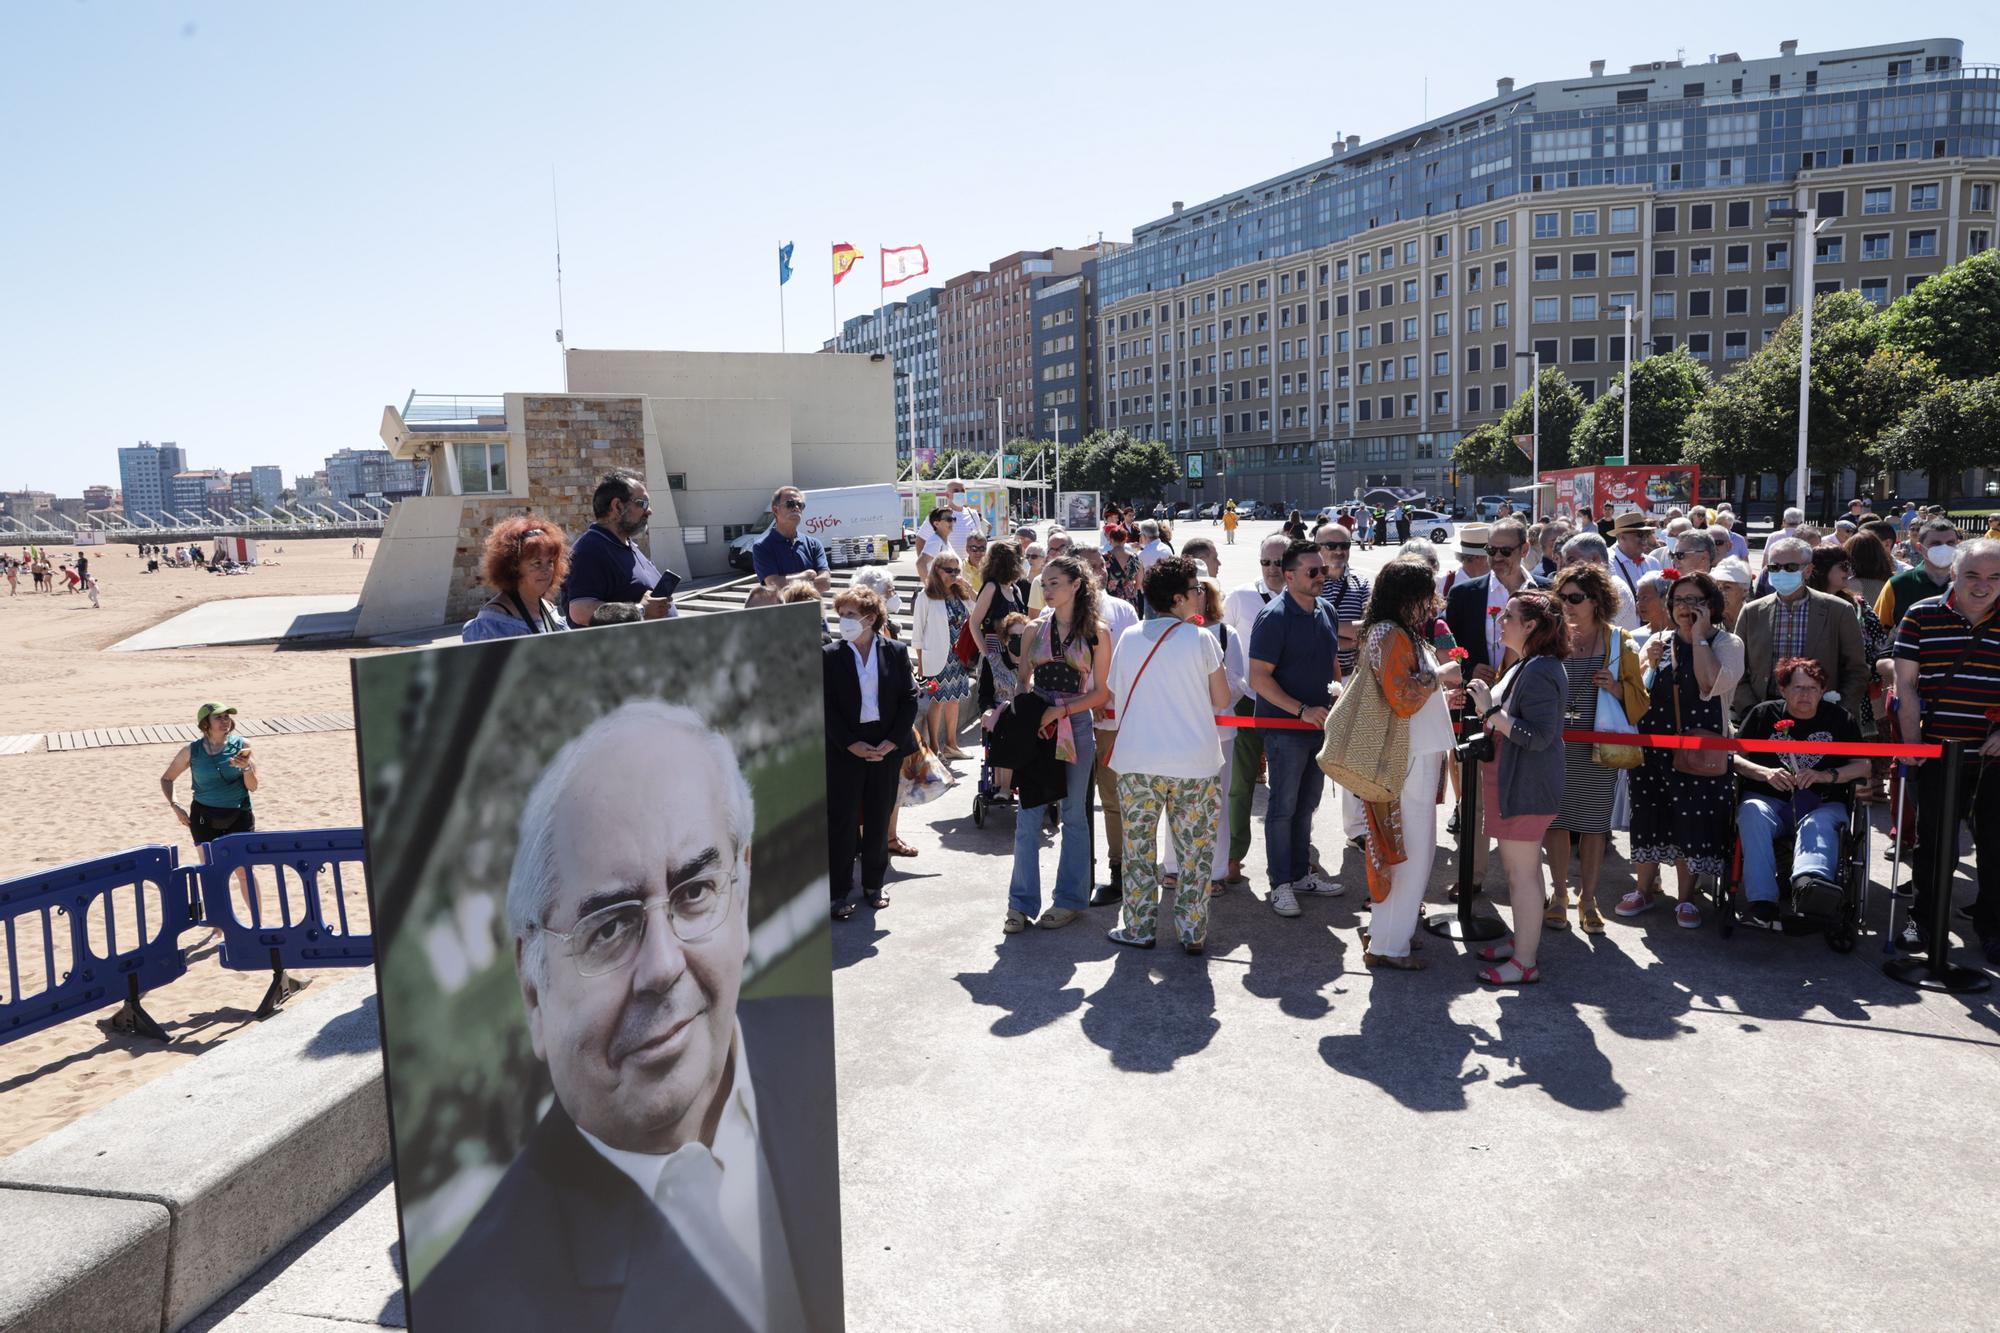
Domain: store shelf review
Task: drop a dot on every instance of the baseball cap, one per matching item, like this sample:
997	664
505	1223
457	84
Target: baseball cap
208	710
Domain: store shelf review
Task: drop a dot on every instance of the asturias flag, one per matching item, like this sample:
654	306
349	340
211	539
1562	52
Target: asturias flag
900	263
844	257
784	263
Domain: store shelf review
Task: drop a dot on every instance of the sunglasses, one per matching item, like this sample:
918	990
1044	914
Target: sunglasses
1272	564
1335	546
1502	552
1788	566
1313	571
1575	598
1689	554
792	504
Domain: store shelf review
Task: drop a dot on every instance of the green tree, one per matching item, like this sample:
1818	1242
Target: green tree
1142	470
1561	411
1666	390
1087	466
1953	318
1954	425
1486	451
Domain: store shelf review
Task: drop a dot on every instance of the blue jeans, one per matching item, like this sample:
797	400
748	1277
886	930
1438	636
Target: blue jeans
1073	861
1762	820
1289	759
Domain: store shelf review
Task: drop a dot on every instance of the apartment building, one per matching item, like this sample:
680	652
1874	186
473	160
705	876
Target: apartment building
986	345
1344	325
1065	360
906	331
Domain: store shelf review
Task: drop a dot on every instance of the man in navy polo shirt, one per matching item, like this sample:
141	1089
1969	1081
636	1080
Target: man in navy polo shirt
605	567
783	553
1292	646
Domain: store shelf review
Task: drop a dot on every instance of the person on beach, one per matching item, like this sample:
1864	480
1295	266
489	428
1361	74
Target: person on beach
526	558
225	773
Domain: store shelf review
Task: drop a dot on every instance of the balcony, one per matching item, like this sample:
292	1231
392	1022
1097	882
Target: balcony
455	412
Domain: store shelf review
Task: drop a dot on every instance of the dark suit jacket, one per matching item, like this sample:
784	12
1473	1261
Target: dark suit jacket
1833	639
1465	614
567	1241
896	695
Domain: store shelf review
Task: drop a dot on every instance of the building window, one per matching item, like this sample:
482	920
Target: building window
1440	363
1548	268
1663	305
1922	244
1736	301
1441	402
1875	290
1624	220
1698	345
1624	263
1583	264
1473	318
1548	309
1777	254
1735	345
1776	300
1472	238
1500	273
1739	213
1664	219
1547	225
1499	314
1663	263
1923	197
482	468
1547	350
1583	222
1880	199
1698	305
1736	259
1701	259
1978	239
1582	349
1982	197
1502	230
1582	308
1830	203
1472	398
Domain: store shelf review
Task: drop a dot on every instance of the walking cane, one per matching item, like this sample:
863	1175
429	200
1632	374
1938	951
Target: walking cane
1895	858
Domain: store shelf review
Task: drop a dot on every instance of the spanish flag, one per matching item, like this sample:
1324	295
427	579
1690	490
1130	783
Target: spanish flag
844	257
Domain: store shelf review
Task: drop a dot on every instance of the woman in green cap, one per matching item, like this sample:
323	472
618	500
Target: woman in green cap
225	773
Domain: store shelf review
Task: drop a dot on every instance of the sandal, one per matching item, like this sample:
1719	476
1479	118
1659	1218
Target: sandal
1497	953
1555	912
1635	902
1016	922
1687	916
879	901
1416	938
1217	886
1588	919
1497	976
897	847
1403	964
1195	947
1117	935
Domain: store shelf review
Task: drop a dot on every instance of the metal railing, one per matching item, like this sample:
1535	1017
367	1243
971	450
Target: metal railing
437	409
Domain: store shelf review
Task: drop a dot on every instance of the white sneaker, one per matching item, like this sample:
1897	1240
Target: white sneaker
1322	884
1283	901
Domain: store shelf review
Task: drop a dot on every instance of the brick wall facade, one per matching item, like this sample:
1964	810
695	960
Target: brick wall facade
571	443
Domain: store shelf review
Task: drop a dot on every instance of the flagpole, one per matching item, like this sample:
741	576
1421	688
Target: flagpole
834	269
781	315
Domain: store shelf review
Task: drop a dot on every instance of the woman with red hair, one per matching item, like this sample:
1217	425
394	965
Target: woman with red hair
525	559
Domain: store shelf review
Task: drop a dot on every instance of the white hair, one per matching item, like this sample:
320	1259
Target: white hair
1973	550
1676	527
883	584
532	884
1423	548
1149	527
1794	516
1587	547
1656	580
1777	544
1277	539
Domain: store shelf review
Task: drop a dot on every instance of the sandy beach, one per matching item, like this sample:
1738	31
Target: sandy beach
77	805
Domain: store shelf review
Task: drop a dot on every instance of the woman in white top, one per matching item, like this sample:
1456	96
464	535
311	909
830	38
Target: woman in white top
1235	669
1167	685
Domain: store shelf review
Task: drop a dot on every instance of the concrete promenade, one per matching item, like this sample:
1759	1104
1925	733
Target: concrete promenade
1046	1131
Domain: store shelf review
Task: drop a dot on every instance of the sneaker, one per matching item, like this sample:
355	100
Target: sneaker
1911	939
1759	916
1687	916
1321	883
1283	901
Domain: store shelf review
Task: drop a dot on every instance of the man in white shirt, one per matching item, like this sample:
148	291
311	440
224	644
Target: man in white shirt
649	1184
1630	560
1239	611
1151	549
1119	616
966	521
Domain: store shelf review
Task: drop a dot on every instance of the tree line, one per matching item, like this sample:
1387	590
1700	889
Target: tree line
1110	462
1911	387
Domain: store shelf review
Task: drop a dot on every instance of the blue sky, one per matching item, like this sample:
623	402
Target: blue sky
245	227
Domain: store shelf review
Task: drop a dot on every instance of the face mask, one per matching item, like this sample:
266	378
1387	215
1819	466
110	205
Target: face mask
1785	582
851	628
1941	555
895	604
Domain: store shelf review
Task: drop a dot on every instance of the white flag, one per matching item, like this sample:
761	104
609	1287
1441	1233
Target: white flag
901	263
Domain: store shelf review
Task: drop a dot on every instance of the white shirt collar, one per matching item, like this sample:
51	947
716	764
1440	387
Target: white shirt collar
735	1131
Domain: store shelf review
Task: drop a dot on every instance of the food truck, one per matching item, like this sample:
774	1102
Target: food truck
1615	490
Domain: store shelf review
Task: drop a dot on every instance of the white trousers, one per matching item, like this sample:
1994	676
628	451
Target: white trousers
1394	919
1170	861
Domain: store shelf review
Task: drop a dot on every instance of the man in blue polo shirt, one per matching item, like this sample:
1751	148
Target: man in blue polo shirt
783	553
605	567
1292	647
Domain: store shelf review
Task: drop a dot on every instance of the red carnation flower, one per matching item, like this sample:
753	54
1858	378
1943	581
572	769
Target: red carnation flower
1199	620
1459	655
1784	724
1670	573
1494	611
1993	715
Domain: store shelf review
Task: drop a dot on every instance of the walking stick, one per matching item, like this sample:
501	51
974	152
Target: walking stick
1895	857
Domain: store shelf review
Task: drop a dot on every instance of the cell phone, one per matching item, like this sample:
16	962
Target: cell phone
668	582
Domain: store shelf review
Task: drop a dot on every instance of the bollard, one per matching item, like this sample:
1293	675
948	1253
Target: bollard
1462	924
1938	972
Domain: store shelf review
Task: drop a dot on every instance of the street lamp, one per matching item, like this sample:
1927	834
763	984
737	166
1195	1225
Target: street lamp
1625	439
1535	458
1055	436
1809	224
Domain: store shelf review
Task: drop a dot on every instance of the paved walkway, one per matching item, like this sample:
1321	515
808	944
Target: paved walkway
171	733
250	619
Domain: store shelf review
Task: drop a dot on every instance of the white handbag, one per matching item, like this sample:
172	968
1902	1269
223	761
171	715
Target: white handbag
1611	717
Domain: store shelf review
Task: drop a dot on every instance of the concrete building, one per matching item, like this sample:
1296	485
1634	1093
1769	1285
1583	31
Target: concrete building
145	475
714	433
267	483
372	474
986	345
1065	358
907	332
312	486
26	504
101	497
198	492
1344	324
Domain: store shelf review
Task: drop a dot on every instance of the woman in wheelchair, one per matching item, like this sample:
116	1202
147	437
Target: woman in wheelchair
1805	797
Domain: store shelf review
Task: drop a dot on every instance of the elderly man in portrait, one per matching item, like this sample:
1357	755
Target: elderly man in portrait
686	1174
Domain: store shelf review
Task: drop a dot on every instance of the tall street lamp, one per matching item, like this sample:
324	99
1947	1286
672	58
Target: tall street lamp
1809	224
1625	438
1535	457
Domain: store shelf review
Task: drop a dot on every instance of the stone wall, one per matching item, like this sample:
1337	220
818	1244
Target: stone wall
572	442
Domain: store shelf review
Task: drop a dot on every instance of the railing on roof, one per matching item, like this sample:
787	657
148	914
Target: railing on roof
455	409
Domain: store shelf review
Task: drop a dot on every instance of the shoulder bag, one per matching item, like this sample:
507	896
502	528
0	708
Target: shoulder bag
1367	747
1110	742
1695	763
1611	717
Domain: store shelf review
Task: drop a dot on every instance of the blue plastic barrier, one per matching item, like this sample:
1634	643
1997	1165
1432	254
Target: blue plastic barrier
52	909
298	938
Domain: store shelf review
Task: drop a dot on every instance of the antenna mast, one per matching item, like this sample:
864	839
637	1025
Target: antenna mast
555	199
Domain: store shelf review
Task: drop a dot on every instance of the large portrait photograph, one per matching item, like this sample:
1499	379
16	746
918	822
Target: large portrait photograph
598	865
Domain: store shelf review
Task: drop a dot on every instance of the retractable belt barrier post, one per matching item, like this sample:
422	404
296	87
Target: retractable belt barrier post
1462	924
1940	831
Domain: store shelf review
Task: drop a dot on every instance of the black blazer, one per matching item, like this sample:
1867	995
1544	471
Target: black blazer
1465	615
896	695
567	1241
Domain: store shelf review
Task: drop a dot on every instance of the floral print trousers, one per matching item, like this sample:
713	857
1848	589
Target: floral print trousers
1191	807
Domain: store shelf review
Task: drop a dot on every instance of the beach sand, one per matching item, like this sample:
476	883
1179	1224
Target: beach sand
77	805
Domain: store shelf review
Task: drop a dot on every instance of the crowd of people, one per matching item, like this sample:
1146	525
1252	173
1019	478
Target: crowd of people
1112	663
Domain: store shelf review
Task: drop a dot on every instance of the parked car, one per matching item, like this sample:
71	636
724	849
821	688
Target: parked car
1429	523
1181	511
1209	510
1487	507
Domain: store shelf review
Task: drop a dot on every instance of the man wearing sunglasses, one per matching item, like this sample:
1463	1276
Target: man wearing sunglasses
1797	621
783	553
606	565
1292	646
1239	613
1471	609
686	1172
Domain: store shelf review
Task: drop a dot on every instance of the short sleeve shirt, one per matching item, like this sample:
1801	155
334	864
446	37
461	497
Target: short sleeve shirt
1299	645
1958	668
1348	600
1831	723
605	569
773	554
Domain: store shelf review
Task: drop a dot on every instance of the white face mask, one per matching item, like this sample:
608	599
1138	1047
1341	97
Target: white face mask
1941	555
895	604
851	628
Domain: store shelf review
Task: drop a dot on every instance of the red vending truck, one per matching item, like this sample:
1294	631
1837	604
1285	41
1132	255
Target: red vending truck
1613	490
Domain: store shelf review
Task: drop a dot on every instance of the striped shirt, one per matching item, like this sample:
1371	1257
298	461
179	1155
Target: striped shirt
1347	600
1958	668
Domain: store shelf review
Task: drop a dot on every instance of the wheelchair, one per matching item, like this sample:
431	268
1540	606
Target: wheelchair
1842	925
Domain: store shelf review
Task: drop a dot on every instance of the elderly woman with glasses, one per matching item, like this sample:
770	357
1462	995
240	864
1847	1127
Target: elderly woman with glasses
1681	806
524	562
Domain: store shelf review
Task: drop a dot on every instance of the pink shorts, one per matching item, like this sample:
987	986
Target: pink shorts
1520	828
